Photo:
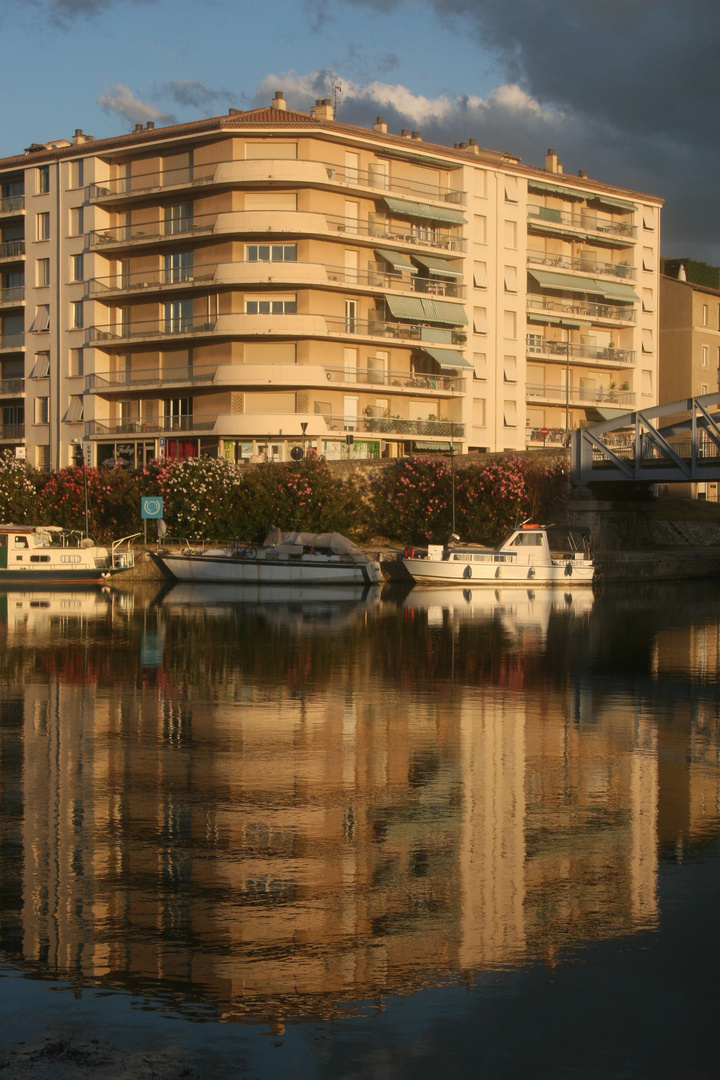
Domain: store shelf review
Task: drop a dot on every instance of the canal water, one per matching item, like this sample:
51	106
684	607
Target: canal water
461	833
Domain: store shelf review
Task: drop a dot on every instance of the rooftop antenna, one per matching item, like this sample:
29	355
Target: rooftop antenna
336	92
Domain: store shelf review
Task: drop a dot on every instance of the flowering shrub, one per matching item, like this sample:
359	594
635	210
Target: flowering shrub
414	500
17	491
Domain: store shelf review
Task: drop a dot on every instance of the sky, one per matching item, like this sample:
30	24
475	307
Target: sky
627	90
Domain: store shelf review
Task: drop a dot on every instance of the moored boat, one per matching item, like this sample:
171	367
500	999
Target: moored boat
50	555
532	555
284	559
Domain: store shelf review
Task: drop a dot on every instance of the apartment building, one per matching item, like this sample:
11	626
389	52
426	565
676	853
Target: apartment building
251	283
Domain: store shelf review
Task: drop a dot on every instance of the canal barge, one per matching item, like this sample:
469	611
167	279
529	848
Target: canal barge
50	555
531	555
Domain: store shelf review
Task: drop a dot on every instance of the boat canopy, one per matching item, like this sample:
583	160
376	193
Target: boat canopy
330	541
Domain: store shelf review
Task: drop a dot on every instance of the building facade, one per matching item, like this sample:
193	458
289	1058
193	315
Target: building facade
268	279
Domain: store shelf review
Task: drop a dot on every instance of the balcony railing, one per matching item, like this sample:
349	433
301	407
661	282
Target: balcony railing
375	179
593	395
580	262
395	425
124	380
206	274
11	249
442	239
545	215
395	380
152	231
13	295
156	328
151	427
11	386
599	312
539	346
13	204
552	436
405	331
12	341
12	431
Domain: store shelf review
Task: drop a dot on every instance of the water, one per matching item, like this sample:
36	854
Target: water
349	834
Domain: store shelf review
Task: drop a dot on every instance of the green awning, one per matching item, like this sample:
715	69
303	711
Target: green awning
438	267
610	414
557	189
396	260
569	323
448	360
613	290
409	308
611	201
423	211
566	281
417	309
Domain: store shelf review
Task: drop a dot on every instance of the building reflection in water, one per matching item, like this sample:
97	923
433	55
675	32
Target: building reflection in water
264	809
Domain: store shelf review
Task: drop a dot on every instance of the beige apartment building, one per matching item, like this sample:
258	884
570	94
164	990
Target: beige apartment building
243	285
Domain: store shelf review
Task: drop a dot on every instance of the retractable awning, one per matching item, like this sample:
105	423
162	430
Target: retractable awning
612	202
423	211
396	260
557	189
616	291
417	309
438	267
449	360
567	282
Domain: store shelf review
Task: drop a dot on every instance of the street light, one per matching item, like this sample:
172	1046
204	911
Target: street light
79	447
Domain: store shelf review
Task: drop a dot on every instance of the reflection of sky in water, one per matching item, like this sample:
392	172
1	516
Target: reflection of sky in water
305	807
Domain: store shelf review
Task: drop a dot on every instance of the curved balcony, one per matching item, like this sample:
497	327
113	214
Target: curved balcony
581	263
297	376
592	396
12	342
548	220
271	223
11	250
613	313
269	326
263	171
538	346
295	274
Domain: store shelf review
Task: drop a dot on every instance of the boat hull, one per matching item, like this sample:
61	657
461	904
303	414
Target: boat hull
19	579
565	574
310	570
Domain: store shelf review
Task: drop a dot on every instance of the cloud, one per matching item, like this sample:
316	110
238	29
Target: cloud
636	82
191	93
122	101
62	12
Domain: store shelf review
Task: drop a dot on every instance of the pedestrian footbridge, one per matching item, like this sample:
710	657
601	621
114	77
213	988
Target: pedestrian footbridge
670	444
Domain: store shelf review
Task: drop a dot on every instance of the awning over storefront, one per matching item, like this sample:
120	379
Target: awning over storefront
449	360
417	309
438	267
396	260
423	211
567	282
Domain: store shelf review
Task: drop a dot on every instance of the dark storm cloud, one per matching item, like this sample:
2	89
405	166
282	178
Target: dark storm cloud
638	82
191	93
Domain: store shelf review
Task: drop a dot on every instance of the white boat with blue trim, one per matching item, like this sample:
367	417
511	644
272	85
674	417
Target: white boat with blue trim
295	558
532	555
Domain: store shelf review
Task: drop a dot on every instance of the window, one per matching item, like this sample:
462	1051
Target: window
480	229
703	388
275	306
42	226
178	414
480	365
481	183
480	275
271	253
42	410
43	180
646	381
76	315
511	189
42	457
510	369
706	356
41	367
479	412
77	173
511	279
178	267
351	315
648	217
74	412
647	341
42	272
351	167
178	316
41	322
76	221
76	268
510	325
178	218
704	314
480	320
76	362
351	217
510	234
648	300
510	413
648	258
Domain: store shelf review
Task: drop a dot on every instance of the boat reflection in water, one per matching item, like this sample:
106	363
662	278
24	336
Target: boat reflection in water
229	809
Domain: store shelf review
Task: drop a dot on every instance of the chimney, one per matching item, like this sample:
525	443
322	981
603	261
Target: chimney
79	138
472	146
323	110
405	133
416	136
582	173
380	125
682	276
279	102
551	162
233	112
150	126
138	127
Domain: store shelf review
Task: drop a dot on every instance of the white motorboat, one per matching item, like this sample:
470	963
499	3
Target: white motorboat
295	558
532	555
50	555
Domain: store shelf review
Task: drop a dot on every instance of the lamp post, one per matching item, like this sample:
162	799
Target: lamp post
452	471
303	428
79	447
